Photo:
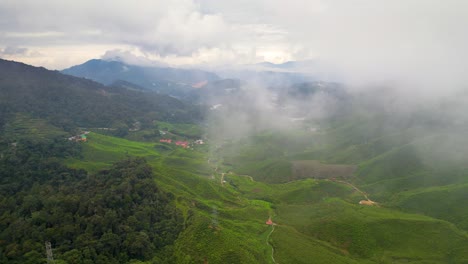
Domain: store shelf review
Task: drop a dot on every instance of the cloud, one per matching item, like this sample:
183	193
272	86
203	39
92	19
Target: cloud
181	28
418	42
13	51
156	26
129	57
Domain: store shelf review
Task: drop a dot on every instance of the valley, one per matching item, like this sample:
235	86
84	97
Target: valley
233	184
324	216
233	132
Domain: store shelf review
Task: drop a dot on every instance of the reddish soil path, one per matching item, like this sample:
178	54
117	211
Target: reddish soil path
367	201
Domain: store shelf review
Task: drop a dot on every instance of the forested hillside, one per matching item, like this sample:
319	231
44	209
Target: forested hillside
113	216
68	102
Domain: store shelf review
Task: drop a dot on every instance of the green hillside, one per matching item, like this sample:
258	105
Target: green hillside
225	212
321	216
69	102
365	185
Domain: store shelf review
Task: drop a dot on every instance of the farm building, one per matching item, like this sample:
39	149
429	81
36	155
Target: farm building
366	202
269	222
79	138
199	142
183	144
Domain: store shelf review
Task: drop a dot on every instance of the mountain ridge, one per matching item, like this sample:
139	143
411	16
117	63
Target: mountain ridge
65	99
172	81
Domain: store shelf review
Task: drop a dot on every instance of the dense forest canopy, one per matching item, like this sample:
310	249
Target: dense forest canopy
113	216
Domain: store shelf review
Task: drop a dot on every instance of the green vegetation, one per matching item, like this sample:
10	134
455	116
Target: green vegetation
113	216
22	127
445	202
405	164
191	131
68	102
123	196
317	219
318	215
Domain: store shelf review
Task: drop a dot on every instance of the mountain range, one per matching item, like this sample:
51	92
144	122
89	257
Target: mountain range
172	81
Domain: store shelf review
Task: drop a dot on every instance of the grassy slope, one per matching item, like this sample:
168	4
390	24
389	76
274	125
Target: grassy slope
23	126
185	173
421	164
181	130
317	220
427	176
409	169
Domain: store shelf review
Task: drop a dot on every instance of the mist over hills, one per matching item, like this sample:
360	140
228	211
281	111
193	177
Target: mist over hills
265	76
304	155
179	82
300	66
226	132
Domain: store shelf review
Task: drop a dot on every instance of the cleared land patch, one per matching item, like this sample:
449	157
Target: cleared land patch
302	169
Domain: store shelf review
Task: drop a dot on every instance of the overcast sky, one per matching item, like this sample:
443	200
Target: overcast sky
362	37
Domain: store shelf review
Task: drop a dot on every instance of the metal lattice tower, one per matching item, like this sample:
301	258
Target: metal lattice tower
50	256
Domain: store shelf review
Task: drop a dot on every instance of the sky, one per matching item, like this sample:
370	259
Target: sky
366	40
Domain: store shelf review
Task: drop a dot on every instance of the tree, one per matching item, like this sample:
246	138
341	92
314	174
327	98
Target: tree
34	257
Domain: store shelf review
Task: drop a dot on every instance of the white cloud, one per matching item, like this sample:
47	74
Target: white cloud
129	56
421	42
9	51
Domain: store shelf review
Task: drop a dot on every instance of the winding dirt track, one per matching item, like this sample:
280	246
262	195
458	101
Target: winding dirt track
354	187
250	177
358	190
222	178
215	168
268	243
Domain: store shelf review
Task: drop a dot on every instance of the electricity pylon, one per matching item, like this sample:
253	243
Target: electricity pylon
50	256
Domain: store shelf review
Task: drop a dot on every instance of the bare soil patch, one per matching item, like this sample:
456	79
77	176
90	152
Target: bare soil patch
315	169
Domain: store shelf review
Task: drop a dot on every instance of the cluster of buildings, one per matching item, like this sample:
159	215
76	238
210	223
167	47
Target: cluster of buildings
80	138
184	144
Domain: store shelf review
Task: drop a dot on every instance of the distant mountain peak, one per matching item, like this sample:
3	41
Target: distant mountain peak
287	65
129	58
171	81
